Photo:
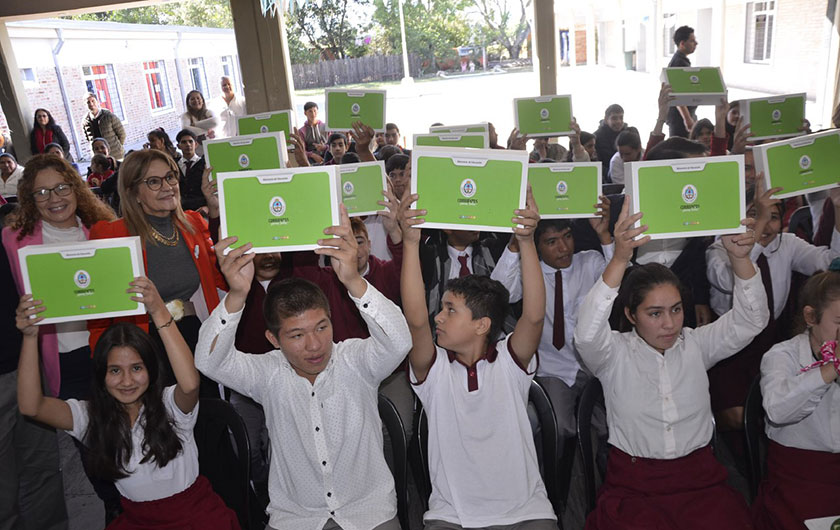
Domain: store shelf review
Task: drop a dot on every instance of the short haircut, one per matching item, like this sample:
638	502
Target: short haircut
185	132
398	161
392	126
308	105
682	33
91	95
335	136
290	297
350	158
358	226
676	147
101	161
387	151
546	225
628	138
615	108
484	298
586	137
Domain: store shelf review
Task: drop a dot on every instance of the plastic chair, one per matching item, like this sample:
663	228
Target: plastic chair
399	452
801	223
756	438
592	396
226	465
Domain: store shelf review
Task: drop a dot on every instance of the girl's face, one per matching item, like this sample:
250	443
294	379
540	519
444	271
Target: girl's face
57	210
100	148
772	229
590	149
828	327
628	154
733	115
42	118
659	318
156	143
196	101
126	377
705	138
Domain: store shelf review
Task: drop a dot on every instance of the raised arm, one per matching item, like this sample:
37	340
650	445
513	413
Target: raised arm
296	139
788	394
342	251
579	154
31	400
390	222
363	135
526	334
179	354
413	292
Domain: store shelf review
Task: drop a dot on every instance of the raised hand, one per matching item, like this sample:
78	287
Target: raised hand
390	221
237	268
625	235
528	218
516	141
601	224
765	204
146	292
363	134
300	148
739	246
343	251
410	218
664	101
25	310
210	190
739	139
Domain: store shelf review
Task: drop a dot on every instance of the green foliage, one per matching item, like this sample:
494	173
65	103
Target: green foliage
506	23
202	13
327	25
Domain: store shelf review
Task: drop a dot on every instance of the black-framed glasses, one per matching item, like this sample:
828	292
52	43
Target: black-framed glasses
155	183
43	195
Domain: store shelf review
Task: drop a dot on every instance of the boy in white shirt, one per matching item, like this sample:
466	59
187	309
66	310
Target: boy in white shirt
482	460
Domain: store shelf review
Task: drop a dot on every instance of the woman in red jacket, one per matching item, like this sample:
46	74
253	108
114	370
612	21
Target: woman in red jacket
177	250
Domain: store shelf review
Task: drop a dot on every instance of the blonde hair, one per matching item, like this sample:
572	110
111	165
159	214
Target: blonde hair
132	172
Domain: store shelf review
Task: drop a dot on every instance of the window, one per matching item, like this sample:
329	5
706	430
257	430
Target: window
761	17
157	85
668	27
28	76
100	80
229	69
198	80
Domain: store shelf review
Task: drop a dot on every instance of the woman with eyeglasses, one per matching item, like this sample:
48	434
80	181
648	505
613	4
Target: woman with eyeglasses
177	250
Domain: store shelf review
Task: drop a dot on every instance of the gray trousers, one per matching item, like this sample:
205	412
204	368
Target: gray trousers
393	524
31	488
533	524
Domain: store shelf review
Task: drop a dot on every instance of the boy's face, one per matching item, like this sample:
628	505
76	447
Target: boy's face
689	45
590	149
772	229
363	251
187	146
615	121
266	266
455	327
556	248
380	139
461	239
392	136
338	148
628	154
306	342
311	114
733	115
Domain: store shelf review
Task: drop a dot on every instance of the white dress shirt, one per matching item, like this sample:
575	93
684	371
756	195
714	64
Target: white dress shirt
147	481
182	163
784	254
802	410
617	169
228	113
454	264
662	251
8	188
658	405
378	238
326	438
586	269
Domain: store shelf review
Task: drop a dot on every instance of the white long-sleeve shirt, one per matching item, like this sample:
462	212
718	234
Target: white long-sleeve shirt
658	405
228	112
326	438
784	254
802	410
586	269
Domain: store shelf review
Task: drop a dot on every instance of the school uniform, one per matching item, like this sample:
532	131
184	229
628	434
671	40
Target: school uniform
172	496
661	472
482	460
192	172
803	424
327	457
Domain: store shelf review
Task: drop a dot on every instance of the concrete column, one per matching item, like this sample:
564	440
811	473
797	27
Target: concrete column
545	36
13	97
828	87
263	57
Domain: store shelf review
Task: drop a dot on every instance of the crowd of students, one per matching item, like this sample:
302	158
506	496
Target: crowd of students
675	330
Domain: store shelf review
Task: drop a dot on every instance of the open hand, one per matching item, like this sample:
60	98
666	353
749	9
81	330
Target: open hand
210	190
516	141
146	293
410	218
342	249
625	234
390	222
237	266
601	224
25	310
528	218
739	246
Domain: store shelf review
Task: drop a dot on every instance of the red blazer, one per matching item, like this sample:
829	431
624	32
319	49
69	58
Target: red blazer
203	256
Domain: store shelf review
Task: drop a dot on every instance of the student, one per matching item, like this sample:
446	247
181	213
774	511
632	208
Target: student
320	399
139	434
702	132
801	399
392	134
10	173
192	168
337	146
199	119
661	472
100	171
313	133
607	132
776	254
474	389
544	149
158	139
567	276
628	149
581	145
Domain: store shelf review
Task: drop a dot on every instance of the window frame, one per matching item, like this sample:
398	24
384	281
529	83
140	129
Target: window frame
29	83
160	70
199	65
768	10
109	69
669	25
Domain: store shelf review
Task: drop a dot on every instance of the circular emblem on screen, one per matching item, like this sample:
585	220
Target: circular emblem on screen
689	193
355	108
348	188
562	188
244	161
277	206
81	279
694	79
468	188
835	525
805	162
544	114
777	115
264	128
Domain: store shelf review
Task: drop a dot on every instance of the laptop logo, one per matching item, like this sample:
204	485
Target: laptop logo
81	279
468	188
694	79
277	206
544	114
244	161
348	188
562	188
689	193
805	162
264	129
776	115
355	108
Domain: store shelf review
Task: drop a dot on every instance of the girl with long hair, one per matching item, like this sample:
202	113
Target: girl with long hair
46	131
199	119
158	139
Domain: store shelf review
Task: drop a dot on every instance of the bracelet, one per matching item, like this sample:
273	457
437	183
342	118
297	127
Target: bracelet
171	320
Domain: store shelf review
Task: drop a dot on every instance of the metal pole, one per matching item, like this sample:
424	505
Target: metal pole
63	90
406	72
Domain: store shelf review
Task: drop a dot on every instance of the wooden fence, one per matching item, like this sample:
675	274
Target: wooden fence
369	69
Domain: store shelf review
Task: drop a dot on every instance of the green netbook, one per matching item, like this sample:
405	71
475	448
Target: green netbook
695	85
362	186
544	115
469	128
345	107
800	165
566	190
476	140
775	117
246	153
281	121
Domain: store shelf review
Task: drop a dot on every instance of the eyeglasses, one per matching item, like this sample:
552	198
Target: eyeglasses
155	183
43	195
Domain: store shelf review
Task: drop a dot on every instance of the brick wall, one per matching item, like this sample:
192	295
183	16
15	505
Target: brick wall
580	44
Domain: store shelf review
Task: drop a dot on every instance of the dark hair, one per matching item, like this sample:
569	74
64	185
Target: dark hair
392	126
675	147
290	297
335	136
102	160
358	226
160	134
387	151
350	158
108	436
641	279
545	225
196	114
818	292
615	108
398	161
484	298
586	137
308	105
629	138
50	120
682	33
185	132
704	123
51	145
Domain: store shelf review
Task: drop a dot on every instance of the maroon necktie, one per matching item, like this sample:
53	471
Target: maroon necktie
824	229
465	271
188	164
765	279
559	321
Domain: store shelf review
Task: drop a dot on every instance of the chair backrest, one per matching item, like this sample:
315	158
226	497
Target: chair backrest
592	395
538	397
421	457
399	452
801	223
754	431
226	464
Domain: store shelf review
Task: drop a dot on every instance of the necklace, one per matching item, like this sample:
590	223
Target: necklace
170	241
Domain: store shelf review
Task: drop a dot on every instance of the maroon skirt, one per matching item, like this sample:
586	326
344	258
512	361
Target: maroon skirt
196	508
687	493
800	485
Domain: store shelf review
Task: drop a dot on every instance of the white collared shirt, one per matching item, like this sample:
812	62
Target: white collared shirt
454	264
326	438
182	163
147	481
658	405
9	187
228	113
586	269
784	254
662	251
802	410
378	237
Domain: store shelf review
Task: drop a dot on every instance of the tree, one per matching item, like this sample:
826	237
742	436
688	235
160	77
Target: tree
502	25
327	26
202	13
